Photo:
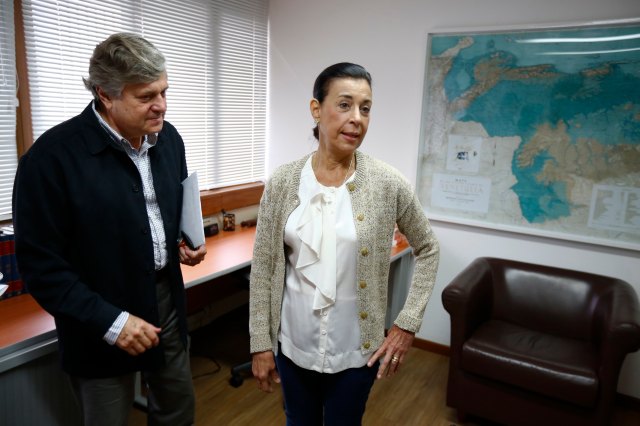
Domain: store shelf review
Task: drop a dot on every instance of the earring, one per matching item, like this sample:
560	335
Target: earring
316	121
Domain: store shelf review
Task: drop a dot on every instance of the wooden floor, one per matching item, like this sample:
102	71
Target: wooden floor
415	396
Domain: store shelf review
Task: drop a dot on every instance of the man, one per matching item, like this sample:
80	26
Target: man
96	209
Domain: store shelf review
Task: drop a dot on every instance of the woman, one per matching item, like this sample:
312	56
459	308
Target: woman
321	260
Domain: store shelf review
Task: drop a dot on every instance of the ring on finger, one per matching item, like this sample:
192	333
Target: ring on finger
395	359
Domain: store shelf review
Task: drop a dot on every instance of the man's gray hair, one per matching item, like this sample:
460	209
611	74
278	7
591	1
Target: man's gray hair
123	58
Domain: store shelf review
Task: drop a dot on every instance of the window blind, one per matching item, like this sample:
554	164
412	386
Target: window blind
216	53
8	152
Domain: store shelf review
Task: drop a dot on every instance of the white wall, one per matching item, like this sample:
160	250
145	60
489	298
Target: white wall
389	38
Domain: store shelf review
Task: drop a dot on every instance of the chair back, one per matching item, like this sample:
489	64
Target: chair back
551	300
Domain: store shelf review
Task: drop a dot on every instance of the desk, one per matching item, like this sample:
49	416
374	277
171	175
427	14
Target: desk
226	252
33	387
22	320
28	343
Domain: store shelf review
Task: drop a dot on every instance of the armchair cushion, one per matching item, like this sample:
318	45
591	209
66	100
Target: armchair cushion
558	367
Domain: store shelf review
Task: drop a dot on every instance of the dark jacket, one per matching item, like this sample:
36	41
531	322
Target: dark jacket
83	240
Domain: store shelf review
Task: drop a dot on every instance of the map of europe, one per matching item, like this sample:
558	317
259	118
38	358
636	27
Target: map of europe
535	131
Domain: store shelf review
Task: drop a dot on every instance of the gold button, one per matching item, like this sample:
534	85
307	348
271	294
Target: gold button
351	186
360	217
364	251
366	345
363	315
363	284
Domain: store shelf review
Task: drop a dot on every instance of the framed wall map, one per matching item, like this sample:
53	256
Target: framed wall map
535	131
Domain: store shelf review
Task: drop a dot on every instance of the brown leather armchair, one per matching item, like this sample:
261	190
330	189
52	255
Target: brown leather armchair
537	345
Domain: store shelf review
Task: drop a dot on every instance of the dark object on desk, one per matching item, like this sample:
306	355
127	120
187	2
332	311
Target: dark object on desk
533	345
211	230
228	221
9	268
249	223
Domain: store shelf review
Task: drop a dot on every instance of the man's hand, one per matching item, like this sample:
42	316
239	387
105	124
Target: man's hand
137	336
191	257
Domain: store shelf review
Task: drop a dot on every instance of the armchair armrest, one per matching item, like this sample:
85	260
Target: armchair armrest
618	320
617	332
468	299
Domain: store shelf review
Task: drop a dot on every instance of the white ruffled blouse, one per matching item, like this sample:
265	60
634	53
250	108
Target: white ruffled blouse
319	327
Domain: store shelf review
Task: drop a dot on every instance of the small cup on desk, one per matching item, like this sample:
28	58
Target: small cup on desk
228	222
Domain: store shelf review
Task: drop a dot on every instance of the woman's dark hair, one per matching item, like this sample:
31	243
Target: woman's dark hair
341	70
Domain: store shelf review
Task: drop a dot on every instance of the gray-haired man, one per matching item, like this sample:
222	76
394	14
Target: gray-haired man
97	204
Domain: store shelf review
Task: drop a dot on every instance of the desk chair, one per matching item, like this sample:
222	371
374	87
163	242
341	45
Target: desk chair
241	371
238	374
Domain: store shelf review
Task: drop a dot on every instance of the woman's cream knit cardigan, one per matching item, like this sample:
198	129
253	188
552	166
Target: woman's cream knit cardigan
381	197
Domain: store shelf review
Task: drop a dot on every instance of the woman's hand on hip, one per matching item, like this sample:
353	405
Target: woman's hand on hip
392	352
263	366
